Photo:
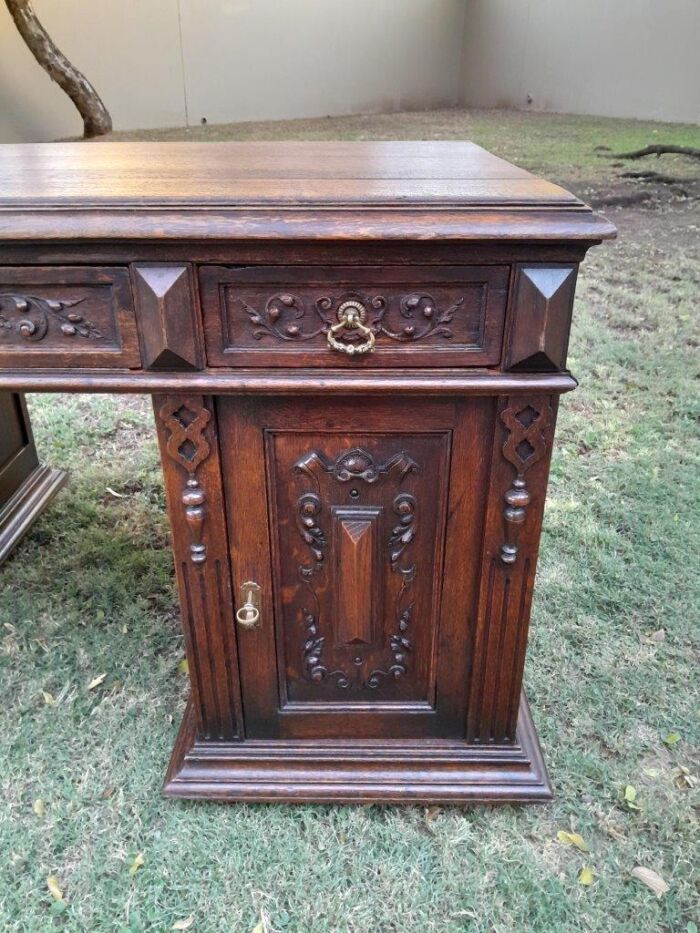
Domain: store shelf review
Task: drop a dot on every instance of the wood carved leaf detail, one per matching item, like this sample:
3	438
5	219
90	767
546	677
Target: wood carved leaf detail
292	318
30	316
356	464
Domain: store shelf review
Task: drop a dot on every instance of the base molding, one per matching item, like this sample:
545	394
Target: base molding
444	772
26	503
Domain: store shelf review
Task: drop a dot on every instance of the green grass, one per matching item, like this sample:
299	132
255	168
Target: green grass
90	592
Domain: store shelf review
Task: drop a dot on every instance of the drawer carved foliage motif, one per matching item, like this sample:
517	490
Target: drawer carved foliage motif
357	466
30	317
288	317
185	420
527	421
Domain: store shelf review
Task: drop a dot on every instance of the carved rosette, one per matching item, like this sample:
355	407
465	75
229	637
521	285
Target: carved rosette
30	317
290	318
527	421
356	465
185	420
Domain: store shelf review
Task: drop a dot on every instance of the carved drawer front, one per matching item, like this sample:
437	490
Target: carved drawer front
67	315
354	316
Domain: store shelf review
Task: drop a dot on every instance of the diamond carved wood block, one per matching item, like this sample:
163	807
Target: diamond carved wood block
541	317
167	317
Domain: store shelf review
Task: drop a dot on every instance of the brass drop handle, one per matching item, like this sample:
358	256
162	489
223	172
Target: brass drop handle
249	614
351	316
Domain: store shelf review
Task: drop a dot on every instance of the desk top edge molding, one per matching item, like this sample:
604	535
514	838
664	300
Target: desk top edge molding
258	191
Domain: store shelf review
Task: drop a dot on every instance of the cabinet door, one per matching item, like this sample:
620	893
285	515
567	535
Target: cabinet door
361	522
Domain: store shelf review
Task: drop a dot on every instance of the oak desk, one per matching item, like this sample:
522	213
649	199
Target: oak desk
355	353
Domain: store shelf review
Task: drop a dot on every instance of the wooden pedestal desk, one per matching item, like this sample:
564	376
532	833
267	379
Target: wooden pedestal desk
355	353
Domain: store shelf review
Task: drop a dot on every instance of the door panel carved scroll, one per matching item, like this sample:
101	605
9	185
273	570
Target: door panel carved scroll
357	571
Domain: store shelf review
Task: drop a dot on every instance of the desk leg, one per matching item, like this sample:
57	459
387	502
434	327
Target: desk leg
26	485
188	438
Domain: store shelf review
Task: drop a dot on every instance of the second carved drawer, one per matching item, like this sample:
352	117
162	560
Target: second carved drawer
321	316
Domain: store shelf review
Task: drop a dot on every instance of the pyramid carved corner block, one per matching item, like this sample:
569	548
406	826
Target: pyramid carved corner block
168	317
541	316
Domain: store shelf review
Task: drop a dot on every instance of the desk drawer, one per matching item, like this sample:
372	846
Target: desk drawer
67	315
411	316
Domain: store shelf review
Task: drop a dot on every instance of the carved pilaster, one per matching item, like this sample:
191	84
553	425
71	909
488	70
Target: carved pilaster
190	457
521	452
527	421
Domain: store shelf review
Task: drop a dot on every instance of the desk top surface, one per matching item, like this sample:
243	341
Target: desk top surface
338	190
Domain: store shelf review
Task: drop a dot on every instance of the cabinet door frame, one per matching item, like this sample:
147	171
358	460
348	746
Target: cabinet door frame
242	423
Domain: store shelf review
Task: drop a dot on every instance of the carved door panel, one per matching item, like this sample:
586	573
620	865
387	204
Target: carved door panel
342	512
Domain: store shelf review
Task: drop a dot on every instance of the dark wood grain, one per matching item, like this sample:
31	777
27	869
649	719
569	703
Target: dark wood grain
168	316
67	316
543	298
421	316
283	190
355	533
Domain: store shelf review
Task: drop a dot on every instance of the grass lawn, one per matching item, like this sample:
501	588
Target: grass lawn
91	685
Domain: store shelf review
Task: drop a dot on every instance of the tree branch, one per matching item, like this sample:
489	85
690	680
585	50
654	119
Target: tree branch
96	118
657	151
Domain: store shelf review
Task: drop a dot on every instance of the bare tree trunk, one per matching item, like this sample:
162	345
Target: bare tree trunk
96	118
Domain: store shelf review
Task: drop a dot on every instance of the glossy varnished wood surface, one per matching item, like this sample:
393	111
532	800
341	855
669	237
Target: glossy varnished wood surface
276	173
219	268
375	190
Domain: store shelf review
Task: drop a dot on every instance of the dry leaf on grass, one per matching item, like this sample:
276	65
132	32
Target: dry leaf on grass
48	698
585	876
183	924
136	864
54	890
630	798
651	879
96	681
682	778
183	667
38	806
572	839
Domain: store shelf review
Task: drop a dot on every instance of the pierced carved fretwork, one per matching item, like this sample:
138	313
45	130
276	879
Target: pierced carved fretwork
527	421
185	421
30	317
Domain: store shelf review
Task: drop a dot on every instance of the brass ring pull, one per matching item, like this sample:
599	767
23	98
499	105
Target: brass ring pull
350	317
249	614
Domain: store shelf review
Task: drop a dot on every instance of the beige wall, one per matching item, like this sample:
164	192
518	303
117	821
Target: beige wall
172	62
623	58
